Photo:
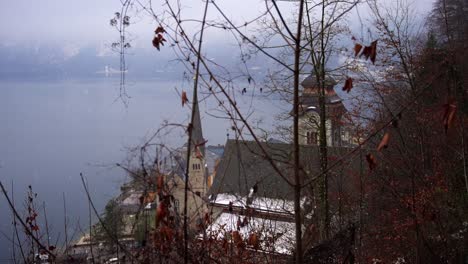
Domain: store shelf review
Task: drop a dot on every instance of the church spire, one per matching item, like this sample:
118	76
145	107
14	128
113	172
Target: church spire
197	132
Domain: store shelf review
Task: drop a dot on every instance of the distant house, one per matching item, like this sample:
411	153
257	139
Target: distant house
131	203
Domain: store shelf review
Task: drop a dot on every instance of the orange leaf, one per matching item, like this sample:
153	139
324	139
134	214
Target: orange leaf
348	85
449	115
253	241
357	49
238	239
184	98
371	161
384	142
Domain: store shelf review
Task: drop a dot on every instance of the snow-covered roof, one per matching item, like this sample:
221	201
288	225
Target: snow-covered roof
257	203
274	236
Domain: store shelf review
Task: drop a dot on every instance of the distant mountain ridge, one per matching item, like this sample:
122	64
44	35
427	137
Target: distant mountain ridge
51	62
72	61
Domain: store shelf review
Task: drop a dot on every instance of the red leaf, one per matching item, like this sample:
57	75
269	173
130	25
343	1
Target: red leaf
161	39
384	142
348	85
167	233
160	182
160	29
35	228
357	49
373	51
370	51
366	52
184	98
449	115
161	212
371	161
225	244
207	218
156	42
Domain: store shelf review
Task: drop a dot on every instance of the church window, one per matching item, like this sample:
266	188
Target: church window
311	138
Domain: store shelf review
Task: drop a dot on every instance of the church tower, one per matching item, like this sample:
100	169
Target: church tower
197	163
309	119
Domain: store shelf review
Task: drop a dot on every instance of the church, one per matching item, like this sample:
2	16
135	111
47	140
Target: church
241	190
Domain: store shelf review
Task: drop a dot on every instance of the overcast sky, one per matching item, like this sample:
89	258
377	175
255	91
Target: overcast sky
87	21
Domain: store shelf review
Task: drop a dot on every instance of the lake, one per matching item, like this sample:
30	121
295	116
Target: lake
50	132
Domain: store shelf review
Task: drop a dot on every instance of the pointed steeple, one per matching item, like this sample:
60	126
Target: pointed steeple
197	132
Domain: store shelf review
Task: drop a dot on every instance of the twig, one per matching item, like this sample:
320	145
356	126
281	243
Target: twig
26	228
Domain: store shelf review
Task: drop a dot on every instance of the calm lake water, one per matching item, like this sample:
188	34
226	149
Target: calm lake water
52	131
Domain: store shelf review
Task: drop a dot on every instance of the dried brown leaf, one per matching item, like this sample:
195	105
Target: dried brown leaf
371	161
348	85
357	49
184	98
449	115
384	142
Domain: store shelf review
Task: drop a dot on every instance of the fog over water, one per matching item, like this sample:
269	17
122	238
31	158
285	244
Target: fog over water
52	131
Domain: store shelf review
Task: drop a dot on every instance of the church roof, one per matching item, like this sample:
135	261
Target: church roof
311	81
243	166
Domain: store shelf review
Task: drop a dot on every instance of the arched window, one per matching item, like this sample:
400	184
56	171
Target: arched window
311	138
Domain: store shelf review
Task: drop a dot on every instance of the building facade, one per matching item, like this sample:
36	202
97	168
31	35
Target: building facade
309	120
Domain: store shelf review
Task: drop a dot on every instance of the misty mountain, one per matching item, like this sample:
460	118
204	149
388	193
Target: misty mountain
70	61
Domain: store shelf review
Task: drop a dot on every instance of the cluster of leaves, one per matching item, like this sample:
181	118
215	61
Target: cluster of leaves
367	51
158	39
